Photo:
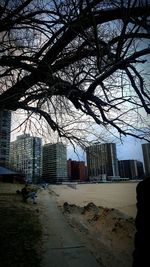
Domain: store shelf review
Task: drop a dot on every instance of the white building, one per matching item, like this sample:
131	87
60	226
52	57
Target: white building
26	156
54	163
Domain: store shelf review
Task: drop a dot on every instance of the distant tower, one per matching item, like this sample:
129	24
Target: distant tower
102	161
26	156
5	127
132	169
54	163
146	156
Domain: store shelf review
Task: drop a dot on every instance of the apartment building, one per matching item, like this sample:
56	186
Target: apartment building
54	163
132	169
26	156
102	163
5	128
77	171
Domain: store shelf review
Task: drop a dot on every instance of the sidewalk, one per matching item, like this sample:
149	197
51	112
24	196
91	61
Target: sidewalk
63	247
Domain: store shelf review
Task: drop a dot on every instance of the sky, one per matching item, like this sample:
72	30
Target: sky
131	149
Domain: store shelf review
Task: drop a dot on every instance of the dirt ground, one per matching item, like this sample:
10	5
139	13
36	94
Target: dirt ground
108	233
103	215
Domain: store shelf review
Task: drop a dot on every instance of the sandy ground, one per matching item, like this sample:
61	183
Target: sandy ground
103	215
121	196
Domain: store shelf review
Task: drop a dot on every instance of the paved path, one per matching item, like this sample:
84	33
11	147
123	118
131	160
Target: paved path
63	247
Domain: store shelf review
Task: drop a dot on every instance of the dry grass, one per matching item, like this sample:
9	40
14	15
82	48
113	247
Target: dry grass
20	231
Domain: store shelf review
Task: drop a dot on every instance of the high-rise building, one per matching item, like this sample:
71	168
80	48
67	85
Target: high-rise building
54	163
146	156
102	161
76	170
26	156
5	127
131	169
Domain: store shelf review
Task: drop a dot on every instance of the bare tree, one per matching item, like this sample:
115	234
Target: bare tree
77	61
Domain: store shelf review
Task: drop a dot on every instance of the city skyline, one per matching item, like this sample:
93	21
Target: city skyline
106	156
131	148
128	147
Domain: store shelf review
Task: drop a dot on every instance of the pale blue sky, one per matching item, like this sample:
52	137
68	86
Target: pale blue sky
130	149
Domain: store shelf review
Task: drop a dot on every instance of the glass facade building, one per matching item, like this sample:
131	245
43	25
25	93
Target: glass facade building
26	156
5	128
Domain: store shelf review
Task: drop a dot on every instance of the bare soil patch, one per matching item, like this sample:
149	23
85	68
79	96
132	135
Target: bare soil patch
108	233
